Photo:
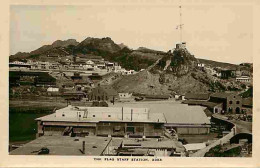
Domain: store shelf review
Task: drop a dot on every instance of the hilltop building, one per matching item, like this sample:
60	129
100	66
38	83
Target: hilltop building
181	45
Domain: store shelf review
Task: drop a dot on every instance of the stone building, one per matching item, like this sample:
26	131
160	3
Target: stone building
232	103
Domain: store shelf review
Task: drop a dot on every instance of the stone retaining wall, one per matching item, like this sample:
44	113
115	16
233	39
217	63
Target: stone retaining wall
221	141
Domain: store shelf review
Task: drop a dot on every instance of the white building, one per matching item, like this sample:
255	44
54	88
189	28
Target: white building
19	65
130	72
201	65
89	62
52	89
243	79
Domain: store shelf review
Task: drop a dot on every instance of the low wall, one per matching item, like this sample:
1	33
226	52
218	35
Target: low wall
225	139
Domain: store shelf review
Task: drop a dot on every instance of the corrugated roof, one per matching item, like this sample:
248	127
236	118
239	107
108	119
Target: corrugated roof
223	95
174	112
184	114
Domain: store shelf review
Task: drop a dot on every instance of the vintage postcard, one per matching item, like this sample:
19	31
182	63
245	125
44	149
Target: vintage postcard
129	83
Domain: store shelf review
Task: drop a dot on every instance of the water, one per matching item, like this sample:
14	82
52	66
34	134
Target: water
22	124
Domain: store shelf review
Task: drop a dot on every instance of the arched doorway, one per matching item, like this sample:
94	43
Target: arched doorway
237	110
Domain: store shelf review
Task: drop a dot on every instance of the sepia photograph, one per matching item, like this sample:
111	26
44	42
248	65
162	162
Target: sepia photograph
131	81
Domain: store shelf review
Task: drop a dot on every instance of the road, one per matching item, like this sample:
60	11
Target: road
242	126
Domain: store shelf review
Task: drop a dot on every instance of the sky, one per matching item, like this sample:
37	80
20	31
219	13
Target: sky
216	31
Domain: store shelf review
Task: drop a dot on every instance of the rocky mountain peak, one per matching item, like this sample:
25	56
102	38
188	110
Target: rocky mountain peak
179	62
94	44
65	43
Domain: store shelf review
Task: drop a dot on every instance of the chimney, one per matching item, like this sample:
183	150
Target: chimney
122	113
131	114
83	147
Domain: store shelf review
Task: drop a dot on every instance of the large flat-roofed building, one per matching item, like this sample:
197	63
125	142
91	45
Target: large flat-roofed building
102	121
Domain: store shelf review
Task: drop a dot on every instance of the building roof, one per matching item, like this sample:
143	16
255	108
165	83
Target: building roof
247	101
152	143
64	145
184	114
157	96
74	93
194	146
201	103
175	113
223	95
197	96
71	115
67	83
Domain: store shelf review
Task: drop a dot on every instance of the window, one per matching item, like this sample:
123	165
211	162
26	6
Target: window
230	102
63	115
94	116
79	115
109	115
238	102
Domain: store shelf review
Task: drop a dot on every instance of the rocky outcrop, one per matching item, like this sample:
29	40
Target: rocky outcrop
95	44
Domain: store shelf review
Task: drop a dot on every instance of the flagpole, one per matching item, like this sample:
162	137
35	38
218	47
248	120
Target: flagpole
180	23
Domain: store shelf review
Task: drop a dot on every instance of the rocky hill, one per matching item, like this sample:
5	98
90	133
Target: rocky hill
105	47
166	72
218	64
97	46
175	72
58	47
179	63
